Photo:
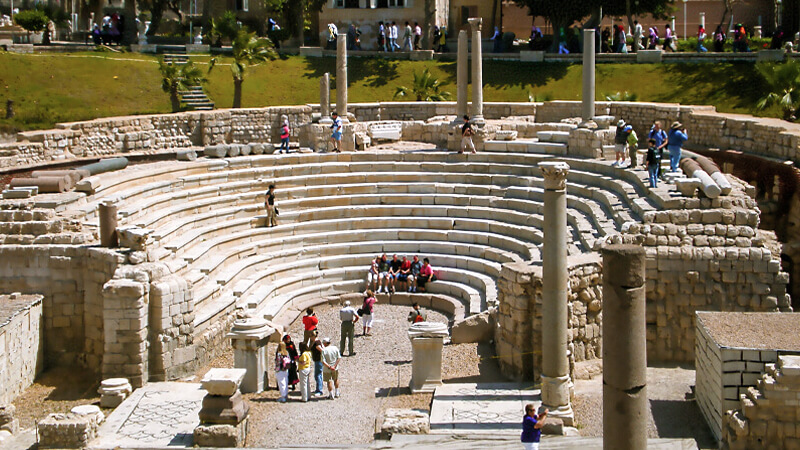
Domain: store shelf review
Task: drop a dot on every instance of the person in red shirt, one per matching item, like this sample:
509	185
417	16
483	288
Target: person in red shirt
310	323
404	274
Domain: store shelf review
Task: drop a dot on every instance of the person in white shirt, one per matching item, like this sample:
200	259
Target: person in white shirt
417	36
330	371
637	34
393	37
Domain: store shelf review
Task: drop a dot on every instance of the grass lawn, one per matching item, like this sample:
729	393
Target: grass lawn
50	88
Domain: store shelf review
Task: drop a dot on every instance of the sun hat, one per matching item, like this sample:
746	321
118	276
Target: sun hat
676	124
326	340
347	303
621	123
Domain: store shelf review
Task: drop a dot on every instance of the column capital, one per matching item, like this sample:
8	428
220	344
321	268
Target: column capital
555	174
475	22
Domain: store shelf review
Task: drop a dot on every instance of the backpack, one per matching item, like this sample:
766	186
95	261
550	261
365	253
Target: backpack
282	362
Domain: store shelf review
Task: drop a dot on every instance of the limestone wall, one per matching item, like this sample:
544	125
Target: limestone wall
20	343
518	338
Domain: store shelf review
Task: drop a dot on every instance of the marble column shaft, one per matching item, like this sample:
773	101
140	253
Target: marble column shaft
462	74
477	71
555	284
587	107
341	76
325	95
624	348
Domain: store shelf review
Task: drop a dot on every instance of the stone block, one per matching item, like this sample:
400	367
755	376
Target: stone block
71	430
531	55
404	421
421	55
476	328
770	55
216	151
649	56
224	410
228	436
186	155
223	382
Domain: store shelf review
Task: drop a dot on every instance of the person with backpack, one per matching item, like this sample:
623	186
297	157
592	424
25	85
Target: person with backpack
653	37
633	146
653	162
416	315
367	312
620	144
285	132
282	363
701	39
466	136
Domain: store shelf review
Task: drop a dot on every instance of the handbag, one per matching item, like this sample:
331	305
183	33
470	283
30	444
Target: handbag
277	213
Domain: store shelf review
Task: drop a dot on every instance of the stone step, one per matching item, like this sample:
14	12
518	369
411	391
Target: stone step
526	146
561	137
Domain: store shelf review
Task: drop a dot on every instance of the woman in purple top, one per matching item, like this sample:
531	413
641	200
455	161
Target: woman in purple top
532	427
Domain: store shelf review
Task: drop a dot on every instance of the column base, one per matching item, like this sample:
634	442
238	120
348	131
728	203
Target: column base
326	121
556	398
477	120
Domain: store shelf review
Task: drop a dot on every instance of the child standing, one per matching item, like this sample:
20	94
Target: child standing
653	162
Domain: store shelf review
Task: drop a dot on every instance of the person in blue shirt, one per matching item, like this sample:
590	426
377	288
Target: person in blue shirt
336	135
660	136
675	139
532	427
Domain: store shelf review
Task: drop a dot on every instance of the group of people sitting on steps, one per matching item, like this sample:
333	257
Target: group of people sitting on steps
386	275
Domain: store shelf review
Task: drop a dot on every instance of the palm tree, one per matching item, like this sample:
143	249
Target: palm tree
425	88
248	50
179	77
783	84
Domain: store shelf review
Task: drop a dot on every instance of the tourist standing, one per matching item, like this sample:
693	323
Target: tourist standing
620	144
466	136
367	312
285	132
497	39
330	361
316	356
282	363
293	357
417	36
304	370
349	316
310	322
660	136
675	139
701	39
633	145
532	425
443	39
272	211
336	135
652	162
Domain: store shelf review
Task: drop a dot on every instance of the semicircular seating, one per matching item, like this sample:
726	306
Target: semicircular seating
337	212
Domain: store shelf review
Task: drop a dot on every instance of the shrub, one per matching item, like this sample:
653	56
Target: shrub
33	20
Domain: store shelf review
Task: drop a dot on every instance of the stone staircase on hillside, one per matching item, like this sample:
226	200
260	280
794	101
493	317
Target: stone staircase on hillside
195	98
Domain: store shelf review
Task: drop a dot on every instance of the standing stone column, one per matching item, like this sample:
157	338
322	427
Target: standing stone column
587	109
249	338
325	98
341	76
108	224
555	282
477	71
427	339
624	348
462	75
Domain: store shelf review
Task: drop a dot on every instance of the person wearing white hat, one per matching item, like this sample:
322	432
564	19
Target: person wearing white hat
620	144
330	372
348	316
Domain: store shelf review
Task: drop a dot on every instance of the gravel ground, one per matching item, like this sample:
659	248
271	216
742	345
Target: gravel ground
753	330
56	391
673	413
374	379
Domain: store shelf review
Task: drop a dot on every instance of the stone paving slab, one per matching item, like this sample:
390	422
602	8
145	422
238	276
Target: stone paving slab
481	407
155	416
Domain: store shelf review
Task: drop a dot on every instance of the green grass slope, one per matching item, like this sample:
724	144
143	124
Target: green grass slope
52	88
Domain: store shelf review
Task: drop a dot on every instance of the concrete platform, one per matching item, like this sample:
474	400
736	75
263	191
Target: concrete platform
491	408
154	416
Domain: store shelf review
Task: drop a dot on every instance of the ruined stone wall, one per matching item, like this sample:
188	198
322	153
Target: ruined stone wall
70	279
20	343
518	335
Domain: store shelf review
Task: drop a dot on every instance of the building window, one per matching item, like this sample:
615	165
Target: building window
346	4
243	5
392	3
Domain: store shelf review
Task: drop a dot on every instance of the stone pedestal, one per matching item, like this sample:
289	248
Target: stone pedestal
325	98
249	338
341	77
108	224
556	382
477	72
223	417
624	348
587	97
427	339
462	75
114	391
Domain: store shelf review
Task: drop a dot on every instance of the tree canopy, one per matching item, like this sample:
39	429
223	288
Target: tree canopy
563	14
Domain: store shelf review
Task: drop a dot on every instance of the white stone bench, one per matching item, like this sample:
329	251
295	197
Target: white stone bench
389	130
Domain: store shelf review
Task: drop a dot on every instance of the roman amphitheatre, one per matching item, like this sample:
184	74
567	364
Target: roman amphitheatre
135	251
